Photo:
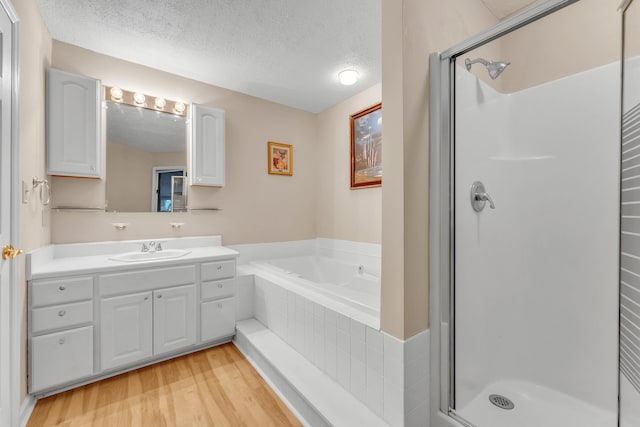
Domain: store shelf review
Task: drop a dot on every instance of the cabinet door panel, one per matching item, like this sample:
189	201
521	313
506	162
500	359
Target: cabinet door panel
207	150
126	329
174	318
73	125
218	319
60	358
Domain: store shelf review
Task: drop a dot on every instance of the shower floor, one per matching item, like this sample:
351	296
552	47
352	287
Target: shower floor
535	406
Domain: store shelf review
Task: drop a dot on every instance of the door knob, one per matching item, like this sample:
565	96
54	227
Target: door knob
479	197
9	252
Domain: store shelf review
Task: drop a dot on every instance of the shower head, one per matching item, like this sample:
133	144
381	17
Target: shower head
495	68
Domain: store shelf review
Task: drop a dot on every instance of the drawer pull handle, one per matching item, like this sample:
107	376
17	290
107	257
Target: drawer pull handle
220	285
62	287
62	340
62	313
219	267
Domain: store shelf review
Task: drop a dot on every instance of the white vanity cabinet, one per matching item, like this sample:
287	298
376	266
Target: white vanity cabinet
61	331
92	326
207	146
74	143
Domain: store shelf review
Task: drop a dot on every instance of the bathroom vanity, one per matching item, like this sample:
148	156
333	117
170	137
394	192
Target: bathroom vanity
99	309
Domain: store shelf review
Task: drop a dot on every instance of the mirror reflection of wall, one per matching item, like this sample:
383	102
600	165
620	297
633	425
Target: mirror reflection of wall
145	148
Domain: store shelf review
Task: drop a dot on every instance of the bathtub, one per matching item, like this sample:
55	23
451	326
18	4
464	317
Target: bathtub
350	289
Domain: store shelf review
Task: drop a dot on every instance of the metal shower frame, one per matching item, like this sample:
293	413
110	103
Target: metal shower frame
441	210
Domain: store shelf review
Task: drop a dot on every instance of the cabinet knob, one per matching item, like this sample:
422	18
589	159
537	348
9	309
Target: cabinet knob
62	287
62	313
62	340
159	295
220	285
219	267
146	298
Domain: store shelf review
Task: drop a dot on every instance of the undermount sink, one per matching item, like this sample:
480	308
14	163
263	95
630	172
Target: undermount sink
150	256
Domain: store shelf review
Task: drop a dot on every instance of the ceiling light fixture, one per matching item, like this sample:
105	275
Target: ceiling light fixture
139	98
348	77
116	94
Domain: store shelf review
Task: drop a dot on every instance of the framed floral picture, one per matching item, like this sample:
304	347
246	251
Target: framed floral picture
280	159
366	148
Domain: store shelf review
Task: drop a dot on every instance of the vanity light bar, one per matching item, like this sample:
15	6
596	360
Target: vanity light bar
138	99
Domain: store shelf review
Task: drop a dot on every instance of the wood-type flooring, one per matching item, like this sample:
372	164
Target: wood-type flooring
213	387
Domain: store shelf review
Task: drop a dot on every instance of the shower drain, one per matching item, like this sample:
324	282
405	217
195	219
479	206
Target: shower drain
501	401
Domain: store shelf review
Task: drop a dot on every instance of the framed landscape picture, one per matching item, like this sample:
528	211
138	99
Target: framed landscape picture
366	148
280	159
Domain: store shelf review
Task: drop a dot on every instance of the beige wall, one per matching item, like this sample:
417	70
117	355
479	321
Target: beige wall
343	213
411	30
35	55
580	37
256	207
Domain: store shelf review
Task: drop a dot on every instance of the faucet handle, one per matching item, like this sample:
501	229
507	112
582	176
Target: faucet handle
159	246
145	248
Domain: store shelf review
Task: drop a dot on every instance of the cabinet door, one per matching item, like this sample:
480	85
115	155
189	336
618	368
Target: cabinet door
60	358
207	146
73	125
125	329
174	318
218	319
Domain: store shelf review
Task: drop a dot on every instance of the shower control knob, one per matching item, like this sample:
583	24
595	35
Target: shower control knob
479	197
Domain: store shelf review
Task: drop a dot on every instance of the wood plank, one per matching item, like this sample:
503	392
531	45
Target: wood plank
213	387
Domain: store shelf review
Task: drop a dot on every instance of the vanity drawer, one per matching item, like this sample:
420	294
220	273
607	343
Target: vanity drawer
61	358
61	316
218	270
218	289
218	319
48	292
146	280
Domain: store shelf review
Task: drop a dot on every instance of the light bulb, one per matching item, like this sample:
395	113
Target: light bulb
139	98
116	94
179	107
160	103
348	77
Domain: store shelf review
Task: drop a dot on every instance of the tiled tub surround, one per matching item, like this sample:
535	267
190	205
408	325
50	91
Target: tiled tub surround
390	376
91	317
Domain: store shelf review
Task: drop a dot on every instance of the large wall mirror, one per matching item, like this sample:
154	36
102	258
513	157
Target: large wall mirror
146	159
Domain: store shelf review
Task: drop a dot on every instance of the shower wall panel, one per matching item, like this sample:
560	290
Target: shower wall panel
536	298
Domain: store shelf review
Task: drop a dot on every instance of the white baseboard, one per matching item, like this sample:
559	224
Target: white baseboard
26	409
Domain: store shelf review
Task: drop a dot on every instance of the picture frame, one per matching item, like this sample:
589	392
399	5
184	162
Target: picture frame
280	158
366	148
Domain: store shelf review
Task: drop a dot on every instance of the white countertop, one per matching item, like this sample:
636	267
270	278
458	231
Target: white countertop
47	263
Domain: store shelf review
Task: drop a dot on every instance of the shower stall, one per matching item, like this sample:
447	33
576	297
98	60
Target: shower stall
526	196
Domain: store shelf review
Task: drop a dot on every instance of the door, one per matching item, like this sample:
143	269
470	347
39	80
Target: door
8	228
125	329
174	323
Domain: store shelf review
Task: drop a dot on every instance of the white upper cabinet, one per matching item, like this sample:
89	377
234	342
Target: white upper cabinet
207	146
73	125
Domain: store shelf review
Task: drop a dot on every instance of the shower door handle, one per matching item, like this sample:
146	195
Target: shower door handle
479	197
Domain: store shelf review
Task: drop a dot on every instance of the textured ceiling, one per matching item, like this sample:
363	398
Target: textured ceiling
503	8
286	51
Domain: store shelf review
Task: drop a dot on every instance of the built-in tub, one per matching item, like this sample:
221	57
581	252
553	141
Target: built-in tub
342	284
